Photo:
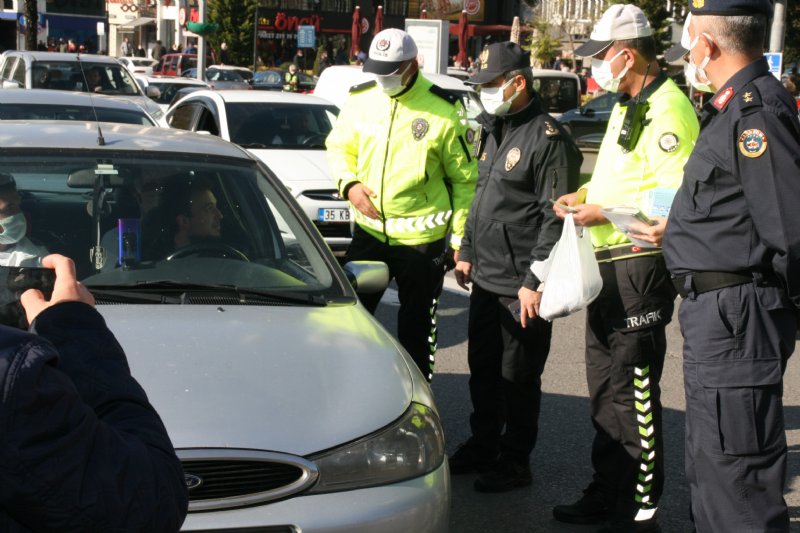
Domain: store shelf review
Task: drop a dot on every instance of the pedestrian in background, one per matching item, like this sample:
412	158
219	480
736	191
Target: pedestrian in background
82	448
525	158
733	245
291	79
399	152
158	50
650	135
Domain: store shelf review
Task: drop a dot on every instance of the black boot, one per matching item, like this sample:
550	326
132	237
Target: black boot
470	458
594	507
506	475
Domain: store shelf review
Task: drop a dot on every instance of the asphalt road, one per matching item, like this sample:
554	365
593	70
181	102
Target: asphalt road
560	463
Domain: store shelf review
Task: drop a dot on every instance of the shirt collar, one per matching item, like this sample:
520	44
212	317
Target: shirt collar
737	82
648	90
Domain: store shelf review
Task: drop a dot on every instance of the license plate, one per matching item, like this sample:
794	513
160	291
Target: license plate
334	215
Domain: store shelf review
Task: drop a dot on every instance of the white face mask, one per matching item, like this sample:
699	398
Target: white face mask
601	72
14	228
392	84
695	74
493	101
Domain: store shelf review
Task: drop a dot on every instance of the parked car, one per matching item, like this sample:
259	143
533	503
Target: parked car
221	79
176	64
287	131
244	72
273	80
138	65
590	118
289	405
164	89
335	82
560	91
41	104
21	69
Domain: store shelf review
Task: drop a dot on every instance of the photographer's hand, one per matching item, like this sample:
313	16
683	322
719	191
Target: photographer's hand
66	289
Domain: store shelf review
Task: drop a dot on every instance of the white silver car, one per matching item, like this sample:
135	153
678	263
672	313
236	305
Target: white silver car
289	405
138	65
41	104
21	69
287	131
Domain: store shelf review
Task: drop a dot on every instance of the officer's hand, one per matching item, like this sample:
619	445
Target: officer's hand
528	305
572	199
651	234
66	288
359	195
463	274
588	215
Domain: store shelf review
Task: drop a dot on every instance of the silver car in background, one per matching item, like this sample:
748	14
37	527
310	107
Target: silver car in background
290	406
41	104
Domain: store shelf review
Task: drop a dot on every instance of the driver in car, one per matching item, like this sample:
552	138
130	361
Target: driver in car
16	249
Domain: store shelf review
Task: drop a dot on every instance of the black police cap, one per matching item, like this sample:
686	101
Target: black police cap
497	59
730	7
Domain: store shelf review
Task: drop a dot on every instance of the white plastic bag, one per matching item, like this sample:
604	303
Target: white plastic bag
571	276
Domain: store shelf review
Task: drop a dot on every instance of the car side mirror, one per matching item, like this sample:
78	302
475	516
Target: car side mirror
153	92
367	276
587	112
11	84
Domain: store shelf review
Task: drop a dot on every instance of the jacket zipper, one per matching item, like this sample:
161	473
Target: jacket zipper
383	171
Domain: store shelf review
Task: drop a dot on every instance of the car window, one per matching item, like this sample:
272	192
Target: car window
20	111
173	65
8	67
268	77
279	125
207	121
182	117
558	94
167	90
19	72
223	75
168	220
602	103
73	76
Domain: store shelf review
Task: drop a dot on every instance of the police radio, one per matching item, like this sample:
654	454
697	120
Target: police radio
633	122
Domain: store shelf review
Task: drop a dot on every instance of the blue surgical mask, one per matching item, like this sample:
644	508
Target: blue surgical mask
14	228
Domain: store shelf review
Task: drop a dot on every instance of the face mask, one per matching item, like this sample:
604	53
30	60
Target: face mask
14	228
601	72
392	84
696	73
493	100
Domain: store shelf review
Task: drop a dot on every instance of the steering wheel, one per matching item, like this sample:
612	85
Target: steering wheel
316	139
208	249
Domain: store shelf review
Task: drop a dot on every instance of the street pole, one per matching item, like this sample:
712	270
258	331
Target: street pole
201	42
255	41
778	30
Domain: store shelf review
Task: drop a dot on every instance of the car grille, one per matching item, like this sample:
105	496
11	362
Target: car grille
335	229
324	195
230	478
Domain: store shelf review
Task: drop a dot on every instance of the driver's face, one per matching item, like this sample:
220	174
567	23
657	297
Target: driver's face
206	219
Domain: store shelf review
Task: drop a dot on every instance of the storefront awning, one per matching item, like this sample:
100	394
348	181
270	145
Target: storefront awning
141	21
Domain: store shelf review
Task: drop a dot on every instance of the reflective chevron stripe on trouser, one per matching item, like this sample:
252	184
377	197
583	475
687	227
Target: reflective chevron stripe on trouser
644	416
400	227
432	340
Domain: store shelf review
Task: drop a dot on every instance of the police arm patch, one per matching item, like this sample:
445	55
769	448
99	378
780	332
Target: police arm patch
752	143
668	142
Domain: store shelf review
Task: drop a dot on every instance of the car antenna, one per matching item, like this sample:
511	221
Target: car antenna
100	140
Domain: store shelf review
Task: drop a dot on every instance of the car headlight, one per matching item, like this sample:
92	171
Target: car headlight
410	447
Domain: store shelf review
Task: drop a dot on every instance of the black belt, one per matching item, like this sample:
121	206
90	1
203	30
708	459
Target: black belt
709	281
625	251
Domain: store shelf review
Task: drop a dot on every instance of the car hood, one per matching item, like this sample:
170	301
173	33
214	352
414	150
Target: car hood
308	166
289	379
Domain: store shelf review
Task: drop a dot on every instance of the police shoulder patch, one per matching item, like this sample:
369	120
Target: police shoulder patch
470	135
362	86
549	129
752	143
445	94
419	127
668	142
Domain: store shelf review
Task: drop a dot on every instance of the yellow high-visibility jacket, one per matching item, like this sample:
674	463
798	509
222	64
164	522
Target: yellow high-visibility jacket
413	152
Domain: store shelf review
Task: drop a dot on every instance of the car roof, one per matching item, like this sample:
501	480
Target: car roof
171	79
260	96
65	98
73	135
551	73
58	56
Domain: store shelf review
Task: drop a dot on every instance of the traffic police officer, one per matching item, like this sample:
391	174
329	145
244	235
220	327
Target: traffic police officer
525	158
650	135
733	245
399	153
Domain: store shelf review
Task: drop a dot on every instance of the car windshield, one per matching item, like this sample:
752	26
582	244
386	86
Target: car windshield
280	125
214	74
85	76
22	111
150	227
168	90
558	94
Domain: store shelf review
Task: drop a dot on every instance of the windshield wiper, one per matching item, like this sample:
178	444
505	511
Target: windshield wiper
185	290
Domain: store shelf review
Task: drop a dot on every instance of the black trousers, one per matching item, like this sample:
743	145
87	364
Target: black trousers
506	364
419	272
737	341
625	349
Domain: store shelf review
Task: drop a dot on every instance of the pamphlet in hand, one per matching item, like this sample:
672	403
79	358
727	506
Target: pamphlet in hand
626	219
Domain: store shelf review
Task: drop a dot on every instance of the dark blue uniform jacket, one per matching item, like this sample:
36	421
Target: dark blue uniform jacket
81	448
